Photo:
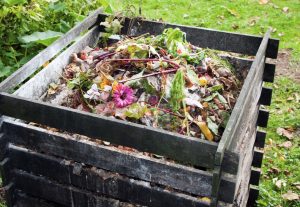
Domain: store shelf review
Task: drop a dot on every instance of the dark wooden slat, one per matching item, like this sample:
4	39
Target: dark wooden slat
231	133
255	176
152	170
260	139
96	180
253	196
257	158
265	96
269	73
23	200
177	147
263	118
5	171
30	67
206	38
3	144
68	195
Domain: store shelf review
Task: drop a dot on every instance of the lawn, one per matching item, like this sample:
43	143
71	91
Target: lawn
281	171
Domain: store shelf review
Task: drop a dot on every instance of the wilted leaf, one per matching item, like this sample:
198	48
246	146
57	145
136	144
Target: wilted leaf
290	196
279	183
235	26
283	132
286	144
285	9
45	38
136	111
212	126
233	12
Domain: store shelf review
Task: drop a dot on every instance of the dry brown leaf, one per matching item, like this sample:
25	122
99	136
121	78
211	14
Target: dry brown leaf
285	9
290	98
263	1
287	144
297	185
283	132
290	196
280	183
235	26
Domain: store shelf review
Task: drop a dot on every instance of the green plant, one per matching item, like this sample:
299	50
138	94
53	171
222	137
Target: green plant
29	26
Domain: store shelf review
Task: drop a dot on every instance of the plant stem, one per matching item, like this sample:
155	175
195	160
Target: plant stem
151	74
147	60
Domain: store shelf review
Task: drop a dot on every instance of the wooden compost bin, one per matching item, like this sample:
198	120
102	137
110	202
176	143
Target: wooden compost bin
43	167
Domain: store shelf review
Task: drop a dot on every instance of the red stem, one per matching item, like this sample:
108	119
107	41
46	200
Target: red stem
147	60
151	74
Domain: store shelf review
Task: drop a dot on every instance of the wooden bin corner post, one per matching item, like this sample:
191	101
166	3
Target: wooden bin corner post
247	96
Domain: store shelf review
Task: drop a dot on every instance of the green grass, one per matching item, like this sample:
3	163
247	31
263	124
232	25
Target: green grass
285	112
227	15
223	15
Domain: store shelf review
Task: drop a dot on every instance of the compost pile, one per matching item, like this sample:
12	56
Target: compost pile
159	81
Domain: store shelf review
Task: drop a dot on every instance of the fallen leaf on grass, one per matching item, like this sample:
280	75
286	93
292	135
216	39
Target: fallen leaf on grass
235	26
286	144
290	98
233	12
263	1
283	132
297	185
285	9
280	34
279	183
290	196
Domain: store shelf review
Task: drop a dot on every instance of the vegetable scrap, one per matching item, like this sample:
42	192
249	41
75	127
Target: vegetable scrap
159	81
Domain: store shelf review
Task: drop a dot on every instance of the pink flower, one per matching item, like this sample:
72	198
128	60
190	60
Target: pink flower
123	96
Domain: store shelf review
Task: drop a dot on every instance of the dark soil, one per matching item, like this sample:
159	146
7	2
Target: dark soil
286	67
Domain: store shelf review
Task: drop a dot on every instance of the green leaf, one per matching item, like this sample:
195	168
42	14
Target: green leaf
45	38
136	111
177	90
216	88
14	2
225	117
193	76
212	126
221	98
137	51
5	71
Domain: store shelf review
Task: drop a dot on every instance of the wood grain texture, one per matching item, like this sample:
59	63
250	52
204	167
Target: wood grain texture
35	63
181	148
148	169
41	187
203	37
23	200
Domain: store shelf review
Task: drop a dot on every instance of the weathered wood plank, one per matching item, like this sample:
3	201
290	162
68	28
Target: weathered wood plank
5	171
23	200
30	67
257	158
265	96
203	37
148	169
95	180
263	118
255	176
269	73
68	195
177	147
3	144
260	139
36	86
